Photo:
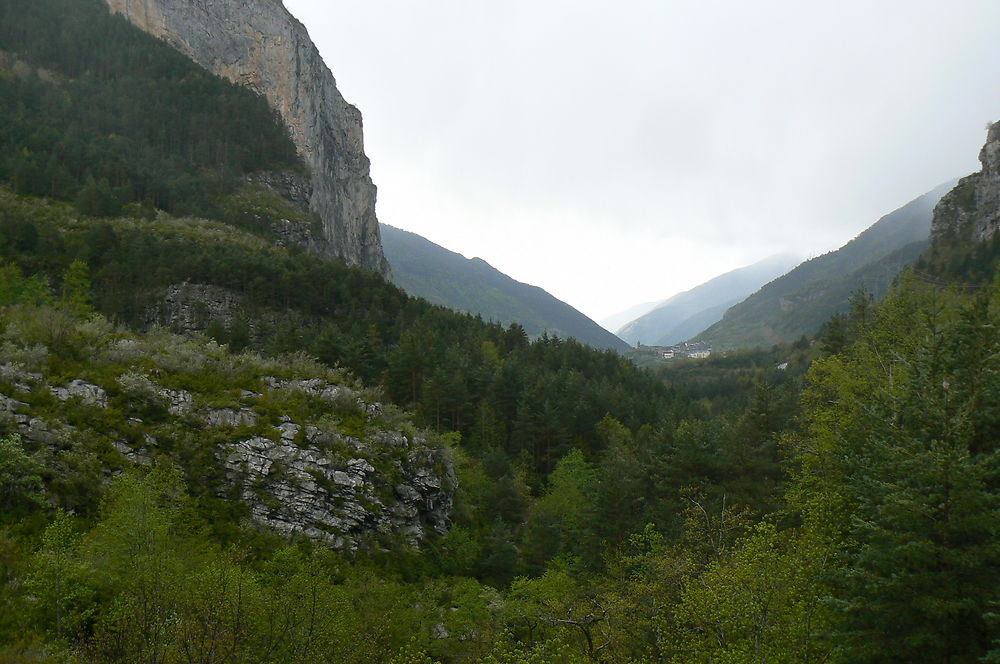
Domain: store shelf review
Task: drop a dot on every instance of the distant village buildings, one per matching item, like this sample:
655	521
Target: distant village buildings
694	350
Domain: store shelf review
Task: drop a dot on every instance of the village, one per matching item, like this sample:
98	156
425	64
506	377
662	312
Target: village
690	350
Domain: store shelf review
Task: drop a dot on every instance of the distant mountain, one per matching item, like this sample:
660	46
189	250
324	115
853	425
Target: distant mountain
444	277
616	321
801	301
686	314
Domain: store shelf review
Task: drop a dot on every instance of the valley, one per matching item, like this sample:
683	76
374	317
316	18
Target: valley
241	421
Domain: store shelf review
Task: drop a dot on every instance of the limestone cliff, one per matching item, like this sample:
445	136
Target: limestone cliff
258	43
971	210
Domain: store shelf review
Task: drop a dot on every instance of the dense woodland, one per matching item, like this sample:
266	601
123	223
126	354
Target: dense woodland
98	113
841	508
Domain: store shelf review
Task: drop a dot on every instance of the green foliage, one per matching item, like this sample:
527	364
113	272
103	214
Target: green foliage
257	209
76	288
20	480
606	514
97	112
557	522
16	288
65	593
900	464
760	603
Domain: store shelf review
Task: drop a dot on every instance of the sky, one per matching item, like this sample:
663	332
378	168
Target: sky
618	153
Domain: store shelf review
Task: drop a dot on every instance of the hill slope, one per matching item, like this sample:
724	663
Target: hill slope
801	301
686	314
444	277
614	322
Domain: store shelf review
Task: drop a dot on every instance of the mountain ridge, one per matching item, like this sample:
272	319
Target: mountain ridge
685	314
800	301
441	276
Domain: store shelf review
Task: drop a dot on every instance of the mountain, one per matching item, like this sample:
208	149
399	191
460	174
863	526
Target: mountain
430	271
964	242
260	45
801	301
686	314
615	321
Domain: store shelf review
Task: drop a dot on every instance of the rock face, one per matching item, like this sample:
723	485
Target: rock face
298	191
971	211
299	484
259	44
188	307
297	477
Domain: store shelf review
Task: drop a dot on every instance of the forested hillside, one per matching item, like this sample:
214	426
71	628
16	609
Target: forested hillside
217	448
98	113
440	276
801	301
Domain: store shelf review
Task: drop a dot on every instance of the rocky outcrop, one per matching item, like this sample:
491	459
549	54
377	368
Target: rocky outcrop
87	393
259	44
299	484
300	475
188	307
971	211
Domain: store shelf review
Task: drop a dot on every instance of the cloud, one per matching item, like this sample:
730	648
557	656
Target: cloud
725	128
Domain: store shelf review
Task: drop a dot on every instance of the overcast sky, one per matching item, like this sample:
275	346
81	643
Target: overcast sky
615	153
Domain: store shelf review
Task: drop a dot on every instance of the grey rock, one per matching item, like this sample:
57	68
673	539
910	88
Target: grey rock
288	431
305	480
229	417
360	466
308	490
188	307
342	478
39	431
393	439
179	402
140	456
9	405
88	393
972	208
297	190
338	396
259	44
407	493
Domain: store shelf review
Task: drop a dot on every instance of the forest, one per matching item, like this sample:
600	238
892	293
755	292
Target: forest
830	500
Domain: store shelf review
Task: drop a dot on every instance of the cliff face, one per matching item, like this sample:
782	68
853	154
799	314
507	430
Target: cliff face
259	44
971	211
